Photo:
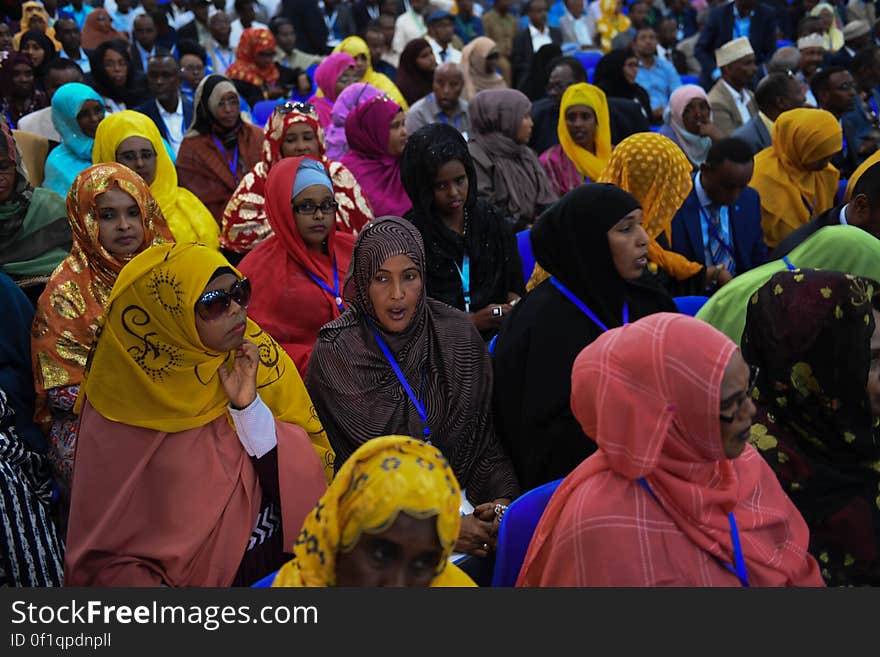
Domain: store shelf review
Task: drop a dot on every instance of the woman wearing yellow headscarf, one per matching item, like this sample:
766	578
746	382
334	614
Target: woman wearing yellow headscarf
358	48
196	434
610	22
132	139
656	171
384	489
34	17
832	34
584	146
794	175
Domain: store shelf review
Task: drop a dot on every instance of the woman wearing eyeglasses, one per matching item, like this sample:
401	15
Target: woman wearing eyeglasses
219	148
674	495
297	271
816	337
112	216
293	130
132	139
196	435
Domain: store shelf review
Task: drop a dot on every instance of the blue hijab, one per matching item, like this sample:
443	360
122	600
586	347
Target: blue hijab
75	151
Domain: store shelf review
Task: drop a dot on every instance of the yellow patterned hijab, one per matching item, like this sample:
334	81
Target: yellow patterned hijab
656	171
150	369
587	163
610	23
384	477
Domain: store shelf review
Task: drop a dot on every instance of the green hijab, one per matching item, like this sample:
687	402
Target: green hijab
845	249
34	231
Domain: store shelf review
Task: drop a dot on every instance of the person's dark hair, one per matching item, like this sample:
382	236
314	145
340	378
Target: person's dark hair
869	184
276	23
63	64
373	26
43	42
577	69
770	88
535	81
102	82
189	47
527	7
864	58
729	149
428	149
240	4
646	26
808	25
162	53
822	80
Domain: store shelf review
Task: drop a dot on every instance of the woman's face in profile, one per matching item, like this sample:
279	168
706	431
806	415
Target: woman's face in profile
404	555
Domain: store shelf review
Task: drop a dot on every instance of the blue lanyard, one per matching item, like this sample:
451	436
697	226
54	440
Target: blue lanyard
874	109
443	116
843	133
788	264
807	204
715	234
583	307
182	126
420	408
9	120
335	291
464	272
225	62
233	166
739	568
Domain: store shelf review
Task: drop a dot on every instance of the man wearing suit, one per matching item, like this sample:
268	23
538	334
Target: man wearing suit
719	223
776	93
862	211
741	18
835	91
528	41
144	42
733	103
169	110
197	29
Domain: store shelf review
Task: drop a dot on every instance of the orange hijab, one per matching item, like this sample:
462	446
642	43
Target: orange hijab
244	68
649	394
68	310
98	28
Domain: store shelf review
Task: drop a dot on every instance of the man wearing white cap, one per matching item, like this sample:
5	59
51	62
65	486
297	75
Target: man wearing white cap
812	49
861	10
856	35
733	103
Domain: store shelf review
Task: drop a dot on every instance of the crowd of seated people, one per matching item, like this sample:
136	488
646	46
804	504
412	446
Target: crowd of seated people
290	285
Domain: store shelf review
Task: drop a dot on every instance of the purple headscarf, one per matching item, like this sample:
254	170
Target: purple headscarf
326	75
377	171
352	96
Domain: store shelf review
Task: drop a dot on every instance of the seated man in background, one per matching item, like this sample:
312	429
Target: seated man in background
719	222
59	72
733	103
171	112
776	93
657	76
286	53
375	38
444	104
835	91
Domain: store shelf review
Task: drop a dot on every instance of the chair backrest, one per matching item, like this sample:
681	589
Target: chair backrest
588	58
690	305
515	533
524	244
689	79
262	111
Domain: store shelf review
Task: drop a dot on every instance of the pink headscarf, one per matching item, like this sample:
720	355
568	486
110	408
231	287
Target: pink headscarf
649	393
353	95
326	75
377	171
694	146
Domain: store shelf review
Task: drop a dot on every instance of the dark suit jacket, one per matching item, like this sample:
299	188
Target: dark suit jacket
188	32
795	238
719	30
149	108
522	53
308	21
755	134
847	160
749	249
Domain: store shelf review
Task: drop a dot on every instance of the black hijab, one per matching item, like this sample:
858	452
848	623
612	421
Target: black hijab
204	121
413	82
134	91
495	266
534	83
543	335
46	44
609	78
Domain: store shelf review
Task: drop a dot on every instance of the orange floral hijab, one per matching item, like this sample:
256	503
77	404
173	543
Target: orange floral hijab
244	68
68	310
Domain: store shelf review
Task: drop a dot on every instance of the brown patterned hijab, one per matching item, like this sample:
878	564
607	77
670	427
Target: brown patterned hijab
358	396
68	310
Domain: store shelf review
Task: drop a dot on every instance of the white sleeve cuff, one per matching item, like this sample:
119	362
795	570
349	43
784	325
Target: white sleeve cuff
255	426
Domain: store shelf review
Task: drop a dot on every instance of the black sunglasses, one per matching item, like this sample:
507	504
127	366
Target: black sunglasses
212	305
295	106
754	371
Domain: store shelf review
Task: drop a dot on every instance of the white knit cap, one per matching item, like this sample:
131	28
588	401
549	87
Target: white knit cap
733	50
811	41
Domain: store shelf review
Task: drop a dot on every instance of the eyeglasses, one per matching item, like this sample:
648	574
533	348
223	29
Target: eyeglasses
193	69
846	86
308	208
754	371
295	106
212	305
130	157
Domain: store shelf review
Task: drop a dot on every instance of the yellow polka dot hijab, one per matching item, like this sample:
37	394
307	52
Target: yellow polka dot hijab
658	173
384	477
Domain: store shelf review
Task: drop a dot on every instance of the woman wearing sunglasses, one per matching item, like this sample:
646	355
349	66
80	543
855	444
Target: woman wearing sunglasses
816	337
113	216
297	270
196	434
293	130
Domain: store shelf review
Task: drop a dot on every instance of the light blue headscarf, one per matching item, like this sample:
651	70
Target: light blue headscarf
310	173
75	151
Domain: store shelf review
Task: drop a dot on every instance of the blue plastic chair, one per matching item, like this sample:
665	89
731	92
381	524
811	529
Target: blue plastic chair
525	253
782	43
589	58
689	79
841	191
266	582
655	128
591	72
263	110
690	305
515	533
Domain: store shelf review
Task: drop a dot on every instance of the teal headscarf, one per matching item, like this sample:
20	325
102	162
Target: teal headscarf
845	249
75	151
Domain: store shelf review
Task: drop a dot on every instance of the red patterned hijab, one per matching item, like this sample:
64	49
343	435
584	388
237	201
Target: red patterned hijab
253	40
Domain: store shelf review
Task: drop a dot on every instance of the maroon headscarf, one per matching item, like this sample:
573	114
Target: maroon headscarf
413	82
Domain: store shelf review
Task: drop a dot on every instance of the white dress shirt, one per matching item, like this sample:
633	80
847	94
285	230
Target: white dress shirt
742	101
237	29
539	38
451	55
173	124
